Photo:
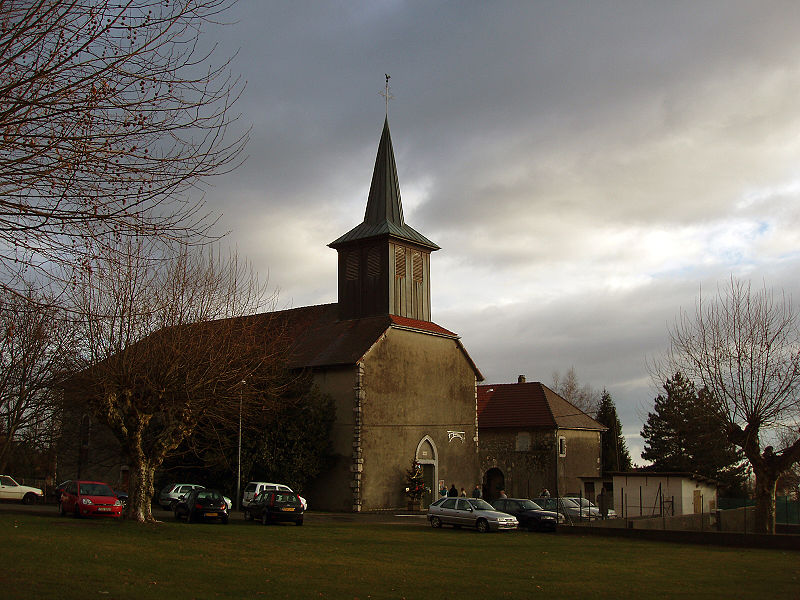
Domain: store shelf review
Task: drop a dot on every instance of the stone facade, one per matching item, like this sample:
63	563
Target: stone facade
411	397
531	439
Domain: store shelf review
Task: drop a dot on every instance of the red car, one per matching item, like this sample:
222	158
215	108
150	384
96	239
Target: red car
89	498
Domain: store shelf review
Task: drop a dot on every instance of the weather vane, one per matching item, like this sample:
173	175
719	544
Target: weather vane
386	93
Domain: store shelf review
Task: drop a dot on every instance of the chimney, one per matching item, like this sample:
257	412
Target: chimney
521	379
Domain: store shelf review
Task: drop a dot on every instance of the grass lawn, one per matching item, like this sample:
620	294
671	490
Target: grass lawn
46	556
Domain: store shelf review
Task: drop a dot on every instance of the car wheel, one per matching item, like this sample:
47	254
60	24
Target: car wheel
248	516
482	526
77	512
436	522
29	498
172	505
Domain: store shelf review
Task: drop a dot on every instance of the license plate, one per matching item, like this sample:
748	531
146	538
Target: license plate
288	509
211	514
103	509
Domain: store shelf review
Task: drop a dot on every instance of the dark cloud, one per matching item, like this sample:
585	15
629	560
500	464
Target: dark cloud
586	167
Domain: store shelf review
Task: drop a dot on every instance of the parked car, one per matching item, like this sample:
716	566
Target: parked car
591	506
123	497
530	515
572	511
202	504
89	499
171	494
59	489
469	512
254	488
274	506
11	490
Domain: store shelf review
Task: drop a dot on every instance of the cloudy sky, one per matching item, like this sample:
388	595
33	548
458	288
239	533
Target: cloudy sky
586	167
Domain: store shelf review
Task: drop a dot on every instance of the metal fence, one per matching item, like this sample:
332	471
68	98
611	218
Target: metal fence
787	511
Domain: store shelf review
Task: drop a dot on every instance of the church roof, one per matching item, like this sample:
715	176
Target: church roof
384	214
531	406
319	339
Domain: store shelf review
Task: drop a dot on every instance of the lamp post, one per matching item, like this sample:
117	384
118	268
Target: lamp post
239	461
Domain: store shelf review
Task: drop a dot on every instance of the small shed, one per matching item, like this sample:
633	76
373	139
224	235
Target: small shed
652	493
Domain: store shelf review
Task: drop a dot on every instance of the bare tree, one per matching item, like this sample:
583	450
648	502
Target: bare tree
110	114
35	345
744	346
569	387
168	344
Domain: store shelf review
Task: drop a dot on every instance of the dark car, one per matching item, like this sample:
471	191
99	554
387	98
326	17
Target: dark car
273	506
530	515
202	504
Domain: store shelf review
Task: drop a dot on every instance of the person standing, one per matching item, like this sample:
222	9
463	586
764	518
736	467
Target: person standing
453	493
477	493
463	493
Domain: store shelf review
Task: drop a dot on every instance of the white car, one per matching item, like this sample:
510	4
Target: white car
254	488
11	490
172	493
591	507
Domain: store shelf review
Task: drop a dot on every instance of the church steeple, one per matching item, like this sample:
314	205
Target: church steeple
384	264
384	214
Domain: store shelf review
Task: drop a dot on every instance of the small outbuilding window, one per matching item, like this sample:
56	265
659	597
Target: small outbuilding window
562	446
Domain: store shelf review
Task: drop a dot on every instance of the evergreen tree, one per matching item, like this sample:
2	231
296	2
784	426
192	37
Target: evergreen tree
615	452
684	434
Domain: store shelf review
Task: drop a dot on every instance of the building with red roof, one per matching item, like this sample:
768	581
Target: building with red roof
404	386
532	439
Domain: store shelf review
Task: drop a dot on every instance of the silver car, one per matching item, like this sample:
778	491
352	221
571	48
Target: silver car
571	510
469	512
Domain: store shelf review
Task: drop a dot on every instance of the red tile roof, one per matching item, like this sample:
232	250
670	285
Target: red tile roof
530	406
422	325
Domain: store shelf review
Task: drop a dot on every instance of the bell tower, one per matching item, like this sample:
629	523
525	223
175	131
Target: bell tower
384	264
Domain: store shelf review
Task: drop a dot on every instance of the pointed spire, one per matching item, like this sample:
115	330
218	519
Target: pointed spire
384	213
383	203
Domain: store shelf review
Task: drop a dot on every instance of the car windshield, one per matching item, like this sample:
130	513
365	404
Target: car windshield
285	498
529	505
583	502
95	489
569	503
479	504
209	496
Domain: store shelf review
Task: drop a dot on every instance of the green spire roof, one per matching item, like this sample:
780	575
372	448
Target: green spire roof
384	214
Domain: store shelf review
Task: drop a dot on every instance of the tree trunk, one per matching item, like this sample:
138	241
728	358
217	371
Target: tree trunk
140	494
765	500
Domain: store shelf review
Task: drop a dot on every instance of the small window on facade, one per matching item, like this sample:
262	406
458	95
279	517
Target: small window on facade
562	446
351	266
399	261
416	266
523	441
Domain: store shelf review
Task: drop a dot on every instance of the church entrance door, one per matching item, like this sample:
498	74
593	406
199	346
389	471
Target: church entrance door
495	483
427	457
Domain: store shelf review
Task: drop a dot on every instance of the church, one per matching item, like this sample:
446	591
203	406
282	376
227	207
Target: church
405	388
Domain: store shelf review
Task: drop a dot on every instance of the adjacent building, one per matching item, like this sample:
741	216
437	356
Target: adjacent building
532	439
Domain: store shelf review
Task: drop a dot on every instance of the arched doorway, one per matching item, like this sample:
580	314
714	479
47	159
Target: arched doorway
427	457
494	483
